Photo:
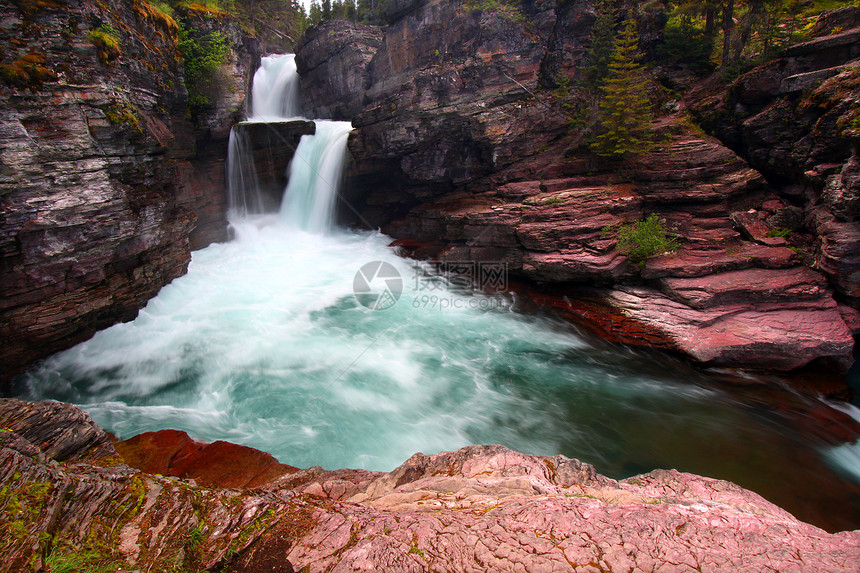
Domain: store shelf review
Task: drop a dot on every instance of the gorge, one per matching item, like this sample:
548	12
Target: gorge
267	342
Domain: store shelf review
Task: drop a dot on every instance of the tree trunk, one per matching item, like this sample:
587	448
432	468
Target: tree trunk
728	28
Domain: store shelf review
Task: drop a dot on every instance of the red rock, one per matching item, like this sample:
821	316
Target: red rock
839	251
775	335
519	190
747	286
695	263
751	225
221	464
480	508
851	316
153	452
569	265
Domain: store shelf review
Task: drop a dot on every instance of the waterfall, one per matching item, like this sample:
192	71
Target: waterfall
315	171
275	90
243	197
266	342
315	175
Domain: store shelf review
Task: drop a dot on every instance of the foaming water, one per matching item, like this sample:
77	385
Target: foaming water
845	458
263	343
243	196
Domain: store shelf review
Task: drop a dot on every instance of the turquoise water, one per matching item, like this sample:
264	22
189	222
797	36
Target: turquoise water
263	343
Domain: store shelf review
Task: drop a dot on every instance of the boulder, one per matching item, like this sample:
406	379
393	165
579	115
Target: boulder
219	464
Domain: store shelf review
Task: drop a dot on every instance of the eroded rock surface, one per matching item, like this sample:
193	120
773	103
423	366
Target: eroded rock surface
733	293
476	509
100	186
794	120
174	453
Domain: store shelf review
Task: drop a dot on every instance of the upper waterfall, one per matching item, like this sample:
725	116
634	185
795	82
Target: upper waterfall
275	90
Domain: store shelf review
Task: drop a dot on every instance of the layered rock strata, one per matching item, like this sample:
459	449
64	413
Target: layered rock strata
796	120
68	497
100	186
731	294
466	150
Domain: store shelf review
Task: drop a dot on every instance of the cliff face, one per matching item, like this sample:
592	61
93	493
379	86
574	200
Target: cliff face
797	120
99	180
466	148
69	498
442	95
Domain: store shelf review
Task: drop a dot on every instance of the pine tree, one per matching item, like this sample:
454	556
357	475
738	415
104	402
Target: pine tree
602	44
625	112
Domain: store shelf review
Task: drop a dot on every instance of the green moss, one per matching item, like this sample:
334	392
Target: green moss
552	201
262	523
119	114
502	8
779	232
67	560
29	72
106	40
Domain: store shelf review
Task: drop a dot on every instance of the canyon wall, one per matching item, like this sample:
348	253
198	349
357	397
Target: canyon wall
105	184
468	148
797	120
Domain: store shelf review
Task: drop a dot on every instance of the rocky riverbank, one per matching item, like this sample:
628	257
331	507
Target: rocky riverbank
69	497
463	150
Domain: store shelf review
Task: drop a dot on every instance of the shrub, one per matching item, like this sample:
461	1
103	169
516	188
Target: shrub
685	43
203	58
502	8
644	239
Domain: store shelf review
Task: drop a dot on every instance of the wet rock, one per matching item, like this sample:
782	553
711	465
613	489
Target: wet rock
59	431
100	189
790	119
751	286
269	149
332	60
727	273
772	335
700	263
441	96
838	253
220	464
